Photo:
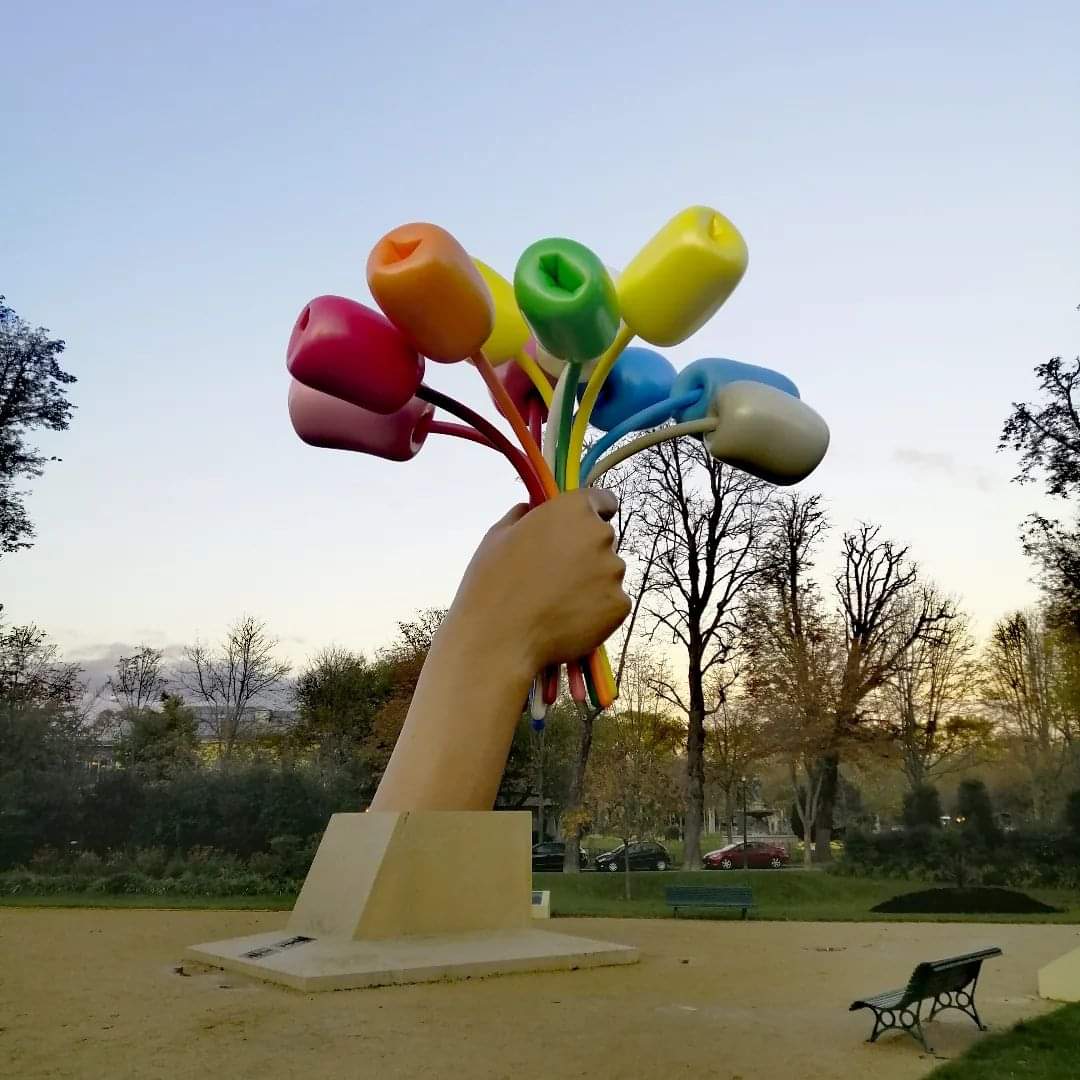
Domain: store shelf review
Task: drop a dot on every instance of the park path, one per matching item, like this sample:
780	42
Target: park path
94	993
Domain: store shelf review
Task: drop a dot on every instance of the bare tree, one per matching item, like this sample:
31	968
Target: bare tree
1023	668
229	680
630	787
794	650
31	671
735	742
884	613
138	680
706	519
931	703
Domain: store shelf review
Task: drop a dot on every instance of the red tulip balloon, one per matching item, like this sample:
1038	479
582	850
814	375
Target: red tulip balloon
329	422
521	388
342	348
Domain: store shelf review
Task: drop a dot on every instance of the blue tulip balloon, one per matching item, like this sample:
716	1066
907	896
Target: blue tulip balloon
640	378
711	374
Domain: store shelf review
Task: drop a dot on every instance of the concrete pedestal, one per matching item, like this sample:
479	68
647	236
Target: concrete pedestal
1060	979
412	897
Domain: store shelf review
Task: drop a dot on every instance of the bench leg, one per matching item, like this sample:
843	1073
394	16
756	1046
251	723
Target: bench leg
884	1020
912	1024
961	1000
744	913
906	1019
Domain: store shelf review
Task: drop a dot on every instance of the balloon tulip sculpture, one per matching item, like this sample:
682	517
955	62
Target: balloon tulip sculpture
561	332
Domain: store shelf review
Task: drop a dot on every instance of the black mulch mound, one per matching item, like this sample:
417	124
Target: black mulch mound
981	901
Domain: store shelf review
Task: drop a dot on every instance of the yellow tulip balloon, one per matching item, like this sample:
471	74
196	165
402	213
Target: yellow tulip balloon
676	282
510	332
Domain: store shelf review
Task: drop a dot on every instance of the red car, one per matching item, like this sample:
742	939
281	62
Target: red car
760	855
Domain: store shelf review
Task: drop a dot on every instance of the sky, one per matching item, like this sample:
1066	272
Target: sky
176	181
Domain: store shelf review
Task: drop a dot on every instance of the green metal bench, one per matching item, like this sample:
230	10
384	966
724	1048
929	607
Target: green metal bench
950	983
709	896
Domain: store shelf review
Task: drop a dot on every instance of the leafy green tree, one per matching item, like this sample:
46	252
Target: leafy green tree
631	789
338	696
1046	435
922	808
33	395
42	742
157	742
404	660
540	765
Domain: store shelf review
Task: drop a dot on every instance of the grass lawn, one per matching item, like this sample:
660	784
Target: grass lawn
1047	1048
778	894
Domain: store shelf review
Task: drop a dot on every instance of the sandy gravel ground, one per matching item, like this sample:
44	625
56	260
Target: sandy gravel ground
96	994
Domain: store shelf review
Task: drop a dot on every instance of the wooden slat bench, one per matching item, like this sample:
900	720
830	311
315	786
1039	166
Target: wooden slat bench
709	896
950	983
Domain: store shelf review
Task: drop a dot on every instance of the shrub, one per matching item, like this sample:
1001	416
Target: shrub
49	861
922	808
1072	814
151	861
88	862
974	807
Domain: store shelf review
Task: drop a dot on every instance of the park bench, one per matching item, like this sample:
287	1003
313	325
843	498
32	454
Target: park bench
951	985
709	896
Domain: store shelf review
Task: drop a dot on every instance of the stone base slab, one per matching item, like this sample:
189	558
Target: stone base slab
312	964
1060	979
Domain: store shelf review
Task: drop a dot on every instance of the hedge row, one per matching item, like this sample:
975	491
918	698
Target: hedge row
239	809
1017	859
126	883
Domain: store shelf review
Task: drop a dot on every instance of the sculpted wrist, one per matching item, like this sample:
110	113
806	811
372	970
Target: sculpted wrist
489	643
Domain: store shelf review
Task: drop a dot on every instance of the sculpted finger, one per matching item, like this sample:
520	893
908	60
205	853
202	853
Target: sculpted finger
604	503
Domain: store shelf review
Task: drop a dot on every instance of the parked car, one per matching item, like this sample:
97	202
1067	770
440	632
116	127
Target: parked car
550	855
644	855
760	855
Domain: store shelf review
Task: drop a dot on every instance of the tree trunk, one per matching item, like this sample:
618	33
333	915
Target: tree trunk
695	774
807	811
729	811
914	769
576	796
823	823
626	867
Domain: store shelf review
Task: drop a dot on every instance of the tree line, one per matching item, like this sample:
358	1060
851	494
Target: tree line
744	656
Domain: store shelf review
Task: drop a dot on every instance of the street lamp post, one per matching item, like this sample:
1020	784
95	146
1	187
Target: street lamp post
745	845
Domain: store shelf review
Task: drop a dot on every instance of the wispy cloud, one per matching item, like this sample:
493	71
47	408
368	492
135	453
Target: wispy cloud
936	461
99	661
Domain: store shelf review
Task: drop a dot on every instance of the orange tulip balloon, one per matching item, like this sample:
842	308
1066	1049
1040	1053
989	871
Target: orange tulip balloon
431	290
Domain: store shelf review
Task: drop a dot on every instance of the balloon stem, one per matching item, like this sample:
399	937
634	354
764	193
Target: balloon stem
459	431
588	400
564	420
510	411
537	493
536	375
